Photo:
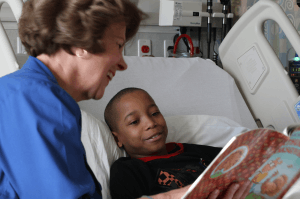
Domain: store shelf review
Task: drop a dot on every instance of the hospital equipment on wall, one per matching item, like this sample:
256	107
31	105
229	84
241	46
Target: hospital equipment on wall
294	71
190	14
174	52
209	11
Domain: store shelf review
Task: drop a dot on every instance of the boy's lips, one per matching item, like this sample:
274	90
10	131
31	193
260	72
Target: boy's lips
152	137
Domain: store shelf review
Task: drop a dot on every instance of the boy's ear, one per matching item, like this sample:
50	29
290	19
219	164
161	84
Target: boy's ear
115	134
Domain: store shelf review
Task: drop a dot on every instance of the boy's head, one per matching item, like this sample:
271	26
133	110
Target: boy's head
136	123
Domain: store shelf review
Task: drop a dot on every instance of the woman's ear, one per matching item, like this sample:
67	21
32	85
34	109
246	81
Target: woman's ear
119	143
80	53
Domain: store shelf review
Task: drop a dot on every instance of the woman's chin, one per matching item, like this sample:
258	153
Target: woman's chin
99	94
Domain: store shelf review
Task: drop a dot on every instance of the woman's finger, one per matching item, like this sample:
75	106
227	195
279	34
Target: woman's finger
242	190
231	191
247	190
214	194
237	192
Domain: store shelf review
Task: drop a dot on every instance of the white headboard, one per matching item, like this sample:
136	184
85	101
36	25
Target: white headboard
247	56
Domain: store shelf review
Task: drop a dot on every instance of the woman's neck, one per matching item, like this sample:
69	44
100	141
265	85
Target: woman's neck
62	67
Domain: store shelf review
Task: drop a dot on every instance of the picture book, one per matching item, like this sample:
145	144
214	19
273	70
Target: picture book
266	157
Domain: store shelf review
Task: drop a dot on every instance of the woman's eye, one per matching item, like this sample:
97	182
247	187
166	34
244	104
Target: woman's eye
120	46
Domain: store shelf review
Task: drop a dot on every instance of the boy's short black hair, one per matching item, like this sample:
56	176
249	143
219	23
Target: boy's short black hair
110	113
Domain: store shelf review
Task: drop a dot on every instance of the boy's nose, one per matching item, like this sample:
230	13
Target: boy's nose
150	123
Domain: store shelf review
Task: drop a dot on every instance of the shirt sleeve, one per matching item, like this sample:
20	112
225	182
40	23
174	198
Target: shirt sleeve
130	178
41	152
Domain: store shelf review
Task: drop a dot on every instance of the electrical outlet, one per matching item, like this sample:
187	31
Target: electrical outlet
144	47
167	43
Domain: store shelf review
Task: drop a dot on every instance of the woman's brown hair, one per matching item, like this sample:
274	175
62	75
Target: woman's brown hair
46	26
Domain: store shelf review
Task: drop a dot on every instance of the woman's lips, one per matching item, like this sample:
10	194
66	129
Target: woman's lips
110	75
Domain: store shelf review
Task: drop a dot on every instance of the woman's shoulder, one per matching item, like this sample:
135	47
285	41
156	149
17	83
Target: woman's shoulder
26	84
25	80
37	94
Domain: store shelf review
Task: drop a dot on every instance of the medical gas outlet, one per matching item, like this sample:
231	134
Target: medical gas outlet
144	47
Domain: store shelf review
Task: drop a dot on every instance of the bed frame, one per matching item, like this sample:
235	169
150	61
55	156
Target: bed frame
7	55
248	57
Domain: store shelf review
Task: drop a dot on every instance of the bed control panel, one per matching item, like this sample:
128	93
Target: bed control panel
294	73
252	67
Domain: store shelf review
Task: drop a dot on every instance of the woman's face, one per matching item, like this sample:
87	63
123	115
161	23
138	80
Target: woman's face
99	69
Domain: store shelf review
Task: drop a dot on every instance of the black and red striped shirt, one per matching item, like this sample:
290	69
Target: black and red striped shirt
132	178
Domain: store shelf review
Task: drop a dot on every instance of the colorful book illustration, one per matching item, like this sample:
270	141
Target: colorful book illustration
269	159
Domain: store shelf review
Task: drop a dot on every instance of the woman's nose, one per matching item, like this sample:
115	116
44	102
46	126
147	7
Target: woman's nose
122	64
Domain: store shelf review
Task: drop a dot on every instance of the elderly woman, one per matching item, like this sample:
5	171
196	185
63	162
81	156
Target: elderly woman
75	49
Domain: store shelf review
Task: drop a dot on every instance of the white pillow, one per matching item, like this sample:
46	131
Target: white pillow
202	129
102	151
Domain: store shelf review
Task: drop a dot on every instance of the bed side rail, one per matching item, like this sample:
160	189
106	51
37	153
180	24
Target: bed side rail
248	57
8	59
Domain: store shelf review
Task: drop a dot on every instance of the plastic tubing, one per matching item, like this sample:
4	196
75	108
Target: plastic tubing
190	41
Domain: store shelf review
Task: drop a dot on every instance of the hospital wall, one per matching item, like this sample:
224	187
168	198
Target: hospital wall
158	35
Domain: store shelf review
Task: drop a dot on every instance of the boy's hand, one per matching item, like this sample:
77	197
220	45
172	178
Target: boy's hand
235	191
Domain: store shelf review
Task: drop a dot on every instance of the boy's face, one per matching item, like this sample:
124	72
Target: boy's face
142	129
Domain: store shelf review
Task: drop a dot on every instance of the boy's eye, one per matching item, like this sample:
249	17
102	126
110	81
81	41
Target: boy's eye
133	123
155	113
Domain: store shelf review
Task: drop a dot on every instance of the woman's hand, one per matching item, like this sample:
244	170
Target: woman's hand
235	191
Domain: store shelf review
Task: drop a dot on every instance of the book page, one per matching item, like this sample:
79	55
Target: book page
279	173
239	162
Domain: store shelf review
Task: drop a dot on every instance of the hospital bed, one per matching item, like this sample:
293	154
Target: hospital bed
202	103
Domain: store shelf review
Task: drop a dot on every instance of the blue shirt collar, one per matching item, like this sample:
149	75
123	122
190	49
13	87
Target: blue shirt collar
36	65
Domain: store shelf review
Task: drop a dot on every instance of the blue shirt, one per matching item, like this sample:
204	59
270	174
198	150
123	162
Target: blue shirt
41	154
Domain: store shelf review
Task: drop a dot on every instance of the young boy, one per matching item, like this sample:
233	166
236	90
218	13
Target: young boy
152	166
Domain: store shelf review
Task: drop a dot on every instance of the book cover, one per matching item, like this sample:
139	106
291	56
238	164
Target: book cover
267	158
